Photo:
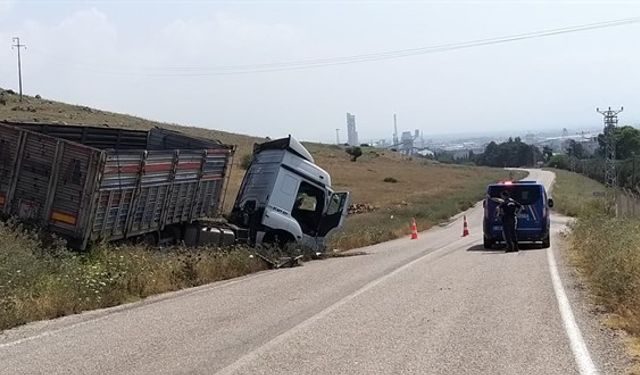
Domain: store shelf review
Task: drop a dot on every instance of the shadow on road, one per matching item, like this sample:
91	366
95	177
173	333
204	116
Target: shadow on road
346	254
481	248
499	249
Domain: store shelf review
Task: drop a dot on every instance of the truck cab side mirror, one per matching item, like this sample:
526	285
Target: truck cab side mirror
550	202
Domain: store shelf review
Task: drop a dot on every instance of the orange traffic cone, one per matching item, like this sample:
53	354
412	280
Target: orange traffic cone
465	228
414	229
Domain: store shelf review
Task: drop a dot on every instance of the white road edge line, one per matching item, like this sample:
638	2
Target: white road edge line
248	357
578	345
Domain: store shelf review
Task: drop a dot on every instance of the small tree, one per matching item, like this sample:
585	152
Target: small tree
355	152
575	149
559	161
547	153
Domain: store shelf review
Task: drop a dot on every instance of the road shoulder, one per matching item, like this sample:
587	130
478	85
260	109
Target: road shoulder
606	345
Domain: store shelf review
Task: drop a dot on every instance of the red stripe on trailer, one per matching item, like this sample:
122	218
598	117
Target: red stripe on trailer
211	177
123	169
158	167
189	165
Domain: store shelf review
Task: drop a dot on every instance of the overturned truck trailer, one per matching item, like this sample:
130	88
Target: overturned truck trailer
93	183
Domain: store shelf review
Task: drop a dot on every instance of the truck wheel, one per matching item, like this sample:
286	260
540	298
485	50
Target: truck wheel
546	243
279	239
488	243
279	248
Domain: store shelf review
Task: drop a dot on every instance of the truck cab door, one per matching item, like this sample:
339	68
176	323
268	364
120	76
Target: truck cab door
336	213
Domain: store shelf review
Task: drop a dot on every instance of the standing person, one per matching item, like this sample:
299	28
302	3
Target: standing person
508	212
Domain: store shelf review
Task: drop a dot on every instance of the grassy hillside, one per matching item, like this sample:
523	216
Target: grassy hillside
417	179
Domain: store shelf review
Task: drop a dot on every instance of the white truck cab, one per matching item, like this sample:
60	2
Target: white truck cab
286	198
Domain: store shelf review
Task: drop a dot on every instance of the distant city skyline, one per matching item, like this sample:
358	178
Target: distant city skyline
489	134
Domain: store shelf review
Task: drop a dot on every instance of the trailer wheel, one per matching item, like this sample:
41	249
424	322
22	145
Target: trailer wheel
172	235
150	239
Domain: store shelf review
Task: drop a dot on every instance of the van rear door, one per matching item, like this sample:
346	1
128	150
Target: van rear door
529	196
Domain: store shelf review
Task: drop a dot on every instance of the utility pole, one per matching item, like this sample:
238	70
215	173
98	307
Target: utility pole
18	46
610	123
633	172
610	175
337	136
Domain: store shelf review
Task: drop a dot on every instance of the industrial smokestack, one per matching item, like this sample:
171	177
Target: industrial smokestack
395	130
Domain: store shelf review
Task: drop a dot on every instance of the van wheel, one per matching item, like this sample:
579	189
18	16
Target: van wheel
488	243
546	243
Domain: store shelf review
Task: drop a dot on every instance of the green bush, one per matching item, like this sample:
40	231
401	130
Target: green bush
390	179
355	152
559	162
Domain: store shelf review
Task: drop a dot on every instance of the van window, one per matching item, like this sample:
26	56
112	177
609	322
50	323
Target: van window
523	194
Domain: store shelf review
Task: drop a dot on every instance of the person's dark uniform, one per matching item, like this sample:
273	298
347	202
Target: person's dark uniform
508	211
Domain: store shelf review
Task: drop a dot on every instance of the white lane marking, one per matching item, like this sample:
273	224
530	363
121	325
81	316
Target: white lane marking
254	354
117	310
578	346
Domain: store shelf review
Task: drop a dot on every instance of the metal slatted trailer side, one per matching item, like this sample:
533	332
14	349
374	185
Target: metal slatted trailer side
128	188
146	191
47	180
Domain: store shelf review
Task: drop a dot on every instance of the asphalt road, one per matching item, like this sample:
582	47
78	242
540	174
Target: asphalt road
437	305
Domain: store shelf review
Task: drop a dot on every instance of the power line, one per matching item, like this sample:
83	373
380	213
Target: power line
354	59
18	46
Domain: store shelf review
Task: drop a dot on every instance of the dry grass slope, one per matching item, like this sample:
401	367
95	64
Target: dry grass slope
42	280
606	249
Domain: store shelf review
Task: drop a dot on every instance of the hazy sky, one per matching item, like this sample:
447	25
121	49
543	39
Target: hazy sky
162	60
